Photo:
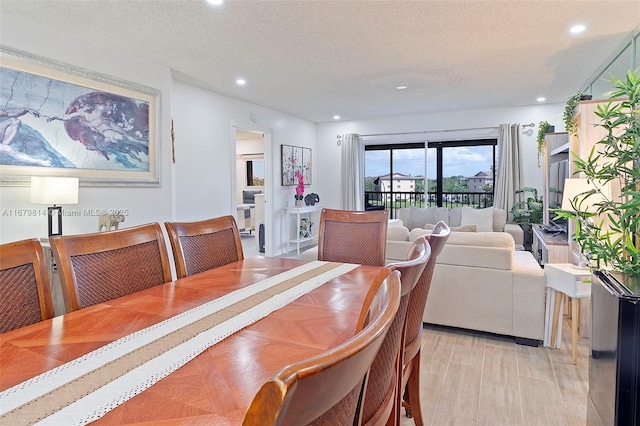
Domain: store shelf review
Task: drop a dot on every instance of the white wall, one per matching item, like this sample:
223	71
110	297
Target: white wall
143	204
201	182
205	155
329	154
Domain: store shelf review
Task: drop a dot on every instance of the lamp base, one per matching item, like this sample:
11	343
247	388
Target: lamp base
54	228
579	261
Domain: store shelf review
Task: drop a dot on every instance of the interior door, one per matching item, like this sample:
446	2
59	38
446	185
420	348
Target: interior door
250	184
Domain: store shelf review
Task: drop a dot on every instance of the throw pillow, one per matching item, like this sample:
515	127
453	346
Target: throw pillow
462	228
398	233
482	218
416	233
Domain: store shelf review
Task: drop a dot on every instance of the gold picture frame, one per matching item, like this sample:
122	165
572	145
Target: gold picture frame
60	120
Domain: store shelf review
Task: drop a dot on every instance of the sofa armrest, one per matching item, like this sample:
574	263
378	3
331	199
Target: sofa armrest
516	232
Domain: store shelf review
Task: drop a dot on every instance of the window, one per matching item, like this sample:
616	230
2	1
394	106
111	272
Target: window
454	168
255	172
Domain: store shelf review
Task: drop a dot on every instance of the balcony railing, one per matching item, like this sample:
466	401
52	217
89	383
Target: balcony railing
392	202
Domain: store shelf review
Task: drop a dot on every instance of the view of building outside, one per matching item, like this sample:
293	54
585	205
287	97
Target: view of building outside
465	169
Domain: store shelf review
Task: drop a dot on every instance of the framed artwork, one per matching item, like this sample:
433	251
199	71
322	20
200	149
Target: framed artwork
295	159
57	120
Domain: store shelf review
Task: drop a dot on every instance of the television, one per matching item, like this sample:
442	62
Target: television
558	172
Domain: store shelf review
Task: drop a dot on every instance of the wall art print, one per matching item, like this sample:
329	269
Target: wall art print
56	120
295	159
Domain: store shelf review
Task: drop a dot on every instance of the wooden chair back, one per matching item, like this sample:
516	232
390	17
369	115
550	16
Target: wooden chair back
382	396
25	292
353	236
413	331
204	245
101	266
326	388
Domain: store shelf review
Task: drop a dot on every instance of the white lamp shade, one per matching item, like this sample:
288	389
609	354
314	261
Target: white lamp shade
54	190
574	187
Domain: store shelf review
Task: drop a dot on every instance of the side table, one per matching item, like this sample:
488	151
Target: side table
564	279
297	211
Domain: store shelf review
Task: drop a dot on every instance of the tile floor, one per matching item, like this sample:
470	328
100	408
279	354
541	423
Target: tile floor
472	378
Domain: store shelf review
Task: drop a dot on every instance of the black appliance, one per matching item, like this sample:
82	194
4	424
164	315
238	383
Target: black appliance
261	238
614	359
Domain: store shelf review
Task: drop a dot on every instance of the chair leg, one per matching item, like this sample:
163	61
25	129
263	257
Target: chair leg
412	392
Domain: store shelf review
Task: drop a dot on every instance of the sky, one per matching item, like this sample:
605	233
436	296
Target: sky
458	161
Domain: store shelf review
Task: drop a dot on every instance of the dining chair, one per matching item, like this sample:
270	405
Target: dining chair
326	389
25	292
353	236
204	245
413	330
382	397
97	267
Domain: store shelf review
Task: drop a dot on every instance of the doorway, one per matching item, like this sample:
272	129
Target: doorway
250	183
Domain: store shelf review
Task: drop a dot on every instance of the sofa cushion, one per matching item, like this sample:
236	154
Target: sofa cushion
416	233
416	217
398	233
482	218
462	228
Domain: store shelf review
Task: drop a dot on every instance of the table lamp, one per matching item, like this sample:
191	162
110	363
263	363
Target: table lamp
575	199
54	190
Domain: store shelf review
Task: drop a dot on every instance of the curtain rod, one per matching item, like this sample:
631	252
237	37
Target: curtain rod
429	131
438	131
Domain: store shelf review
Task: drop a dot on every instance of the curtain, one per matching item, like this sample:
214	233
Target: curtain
352	172
509	173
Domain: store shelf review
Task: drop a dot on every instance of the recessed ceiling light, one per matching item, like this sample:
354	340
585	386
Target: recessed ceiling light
215	2
241	82
336	117
401	87
577	29
541	99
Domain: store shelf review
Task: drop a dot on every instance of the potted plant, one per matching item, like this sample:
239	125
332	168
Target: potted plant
527	212
299	190
543	128
613	240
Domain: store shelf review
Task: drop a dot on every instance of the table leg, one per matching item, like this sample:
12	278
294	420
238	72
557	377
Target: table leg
556	315
575	320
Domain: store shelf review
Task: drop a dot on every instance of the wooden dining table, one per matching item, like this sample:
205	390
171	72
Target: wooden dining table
216	386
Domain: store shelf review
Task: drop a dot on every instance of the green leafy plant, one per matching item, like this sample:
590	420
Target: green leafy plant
543	129
569	108
609	235
529	210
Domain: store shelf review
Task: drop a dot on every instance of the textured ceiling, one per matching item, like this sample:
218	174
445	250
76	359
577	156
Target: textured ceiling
314	59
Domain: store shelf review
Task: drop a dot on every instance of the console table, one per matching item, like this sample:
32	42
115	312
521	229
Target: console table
298	212
548	248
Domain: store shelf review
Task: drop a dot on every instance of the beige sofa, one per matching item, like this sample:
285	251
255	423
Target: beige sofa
481	283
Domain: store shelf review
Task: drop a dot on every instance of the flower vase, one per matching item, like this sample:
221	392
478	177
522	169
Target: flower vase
298	203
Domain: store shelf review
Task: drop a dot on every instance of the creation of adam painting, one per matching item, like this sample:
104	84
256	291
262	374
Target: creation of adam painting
57	123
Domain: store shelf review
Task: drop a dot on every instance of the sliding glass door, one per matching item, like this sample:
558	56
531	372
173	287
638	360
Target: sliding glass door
457	173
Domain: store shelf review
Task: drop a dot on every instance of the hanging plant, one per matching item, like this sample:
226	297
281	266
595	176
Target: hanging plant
569	108
543	128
